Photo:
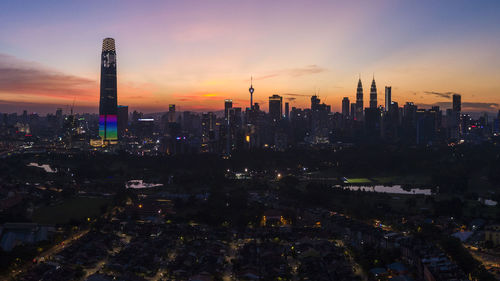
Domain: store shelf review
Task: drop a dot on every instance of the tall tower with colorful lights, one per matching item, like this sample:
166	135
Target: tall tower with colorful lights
108	97
359	101
373	94
251	92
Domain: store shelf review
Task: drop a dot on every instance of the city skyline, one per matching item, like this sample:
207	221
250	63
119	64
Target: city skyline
192	59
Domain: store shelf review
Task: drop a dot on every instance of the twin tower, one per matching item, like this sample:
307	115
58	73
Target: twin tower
359	98
108	130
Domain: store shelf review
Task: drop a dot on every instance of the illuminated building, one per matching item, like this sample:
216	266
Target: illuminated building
287	110
108	130
145	127
208	132
492	233
228	104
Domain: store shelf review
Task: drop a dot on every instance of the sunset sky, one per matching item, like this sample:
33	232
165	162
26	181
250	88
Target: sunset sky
195	54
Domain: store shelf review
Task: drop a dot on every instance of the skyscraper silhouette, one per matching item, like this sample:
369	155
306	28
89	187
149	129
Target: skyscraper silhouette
359	101
388	98
345	107
228	104
457	102
108	97
373	94
275	107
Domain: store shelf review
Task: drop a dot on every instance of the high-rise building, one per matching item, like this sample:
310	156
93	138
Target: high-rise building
373	94
345	107
353	111
372	122
496	124
315	103
457	102
122	120
425	126
359	101
171	113
275	107
208	138
388	98
287	111
108	97
409	114
228	104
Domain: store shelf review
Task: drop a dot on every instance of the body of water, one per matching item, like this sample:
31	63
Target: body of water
46	167
136	184
395	189
487	202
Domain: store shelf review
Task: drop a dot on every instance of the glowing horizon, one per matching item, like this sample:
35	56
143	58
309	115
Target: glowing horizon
195	54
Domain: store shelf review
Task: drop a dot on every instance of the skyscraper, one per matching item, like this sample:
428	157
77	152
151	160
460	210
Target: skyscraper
108	96
122	120
359	101
228	104
345	107
275	107
287	110
388	98
457	102
171	113
315	103
353	111
373	94
456	116
208	124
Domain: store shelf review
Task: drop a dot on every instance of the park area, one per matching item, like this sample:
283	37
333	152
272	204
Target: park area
74	209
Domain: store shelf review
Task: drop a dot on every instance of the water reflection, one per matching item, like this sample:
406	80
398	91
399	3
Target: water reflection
395	189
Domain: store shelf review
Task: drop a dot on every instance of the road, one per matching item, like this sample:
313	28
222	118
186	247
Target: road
54	250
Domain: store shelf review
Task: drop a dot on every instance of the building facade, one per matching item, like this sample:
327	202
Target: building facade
108	130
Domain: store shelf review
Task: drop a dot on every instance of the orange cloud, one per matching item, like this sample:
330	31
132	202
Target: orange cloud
27	81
